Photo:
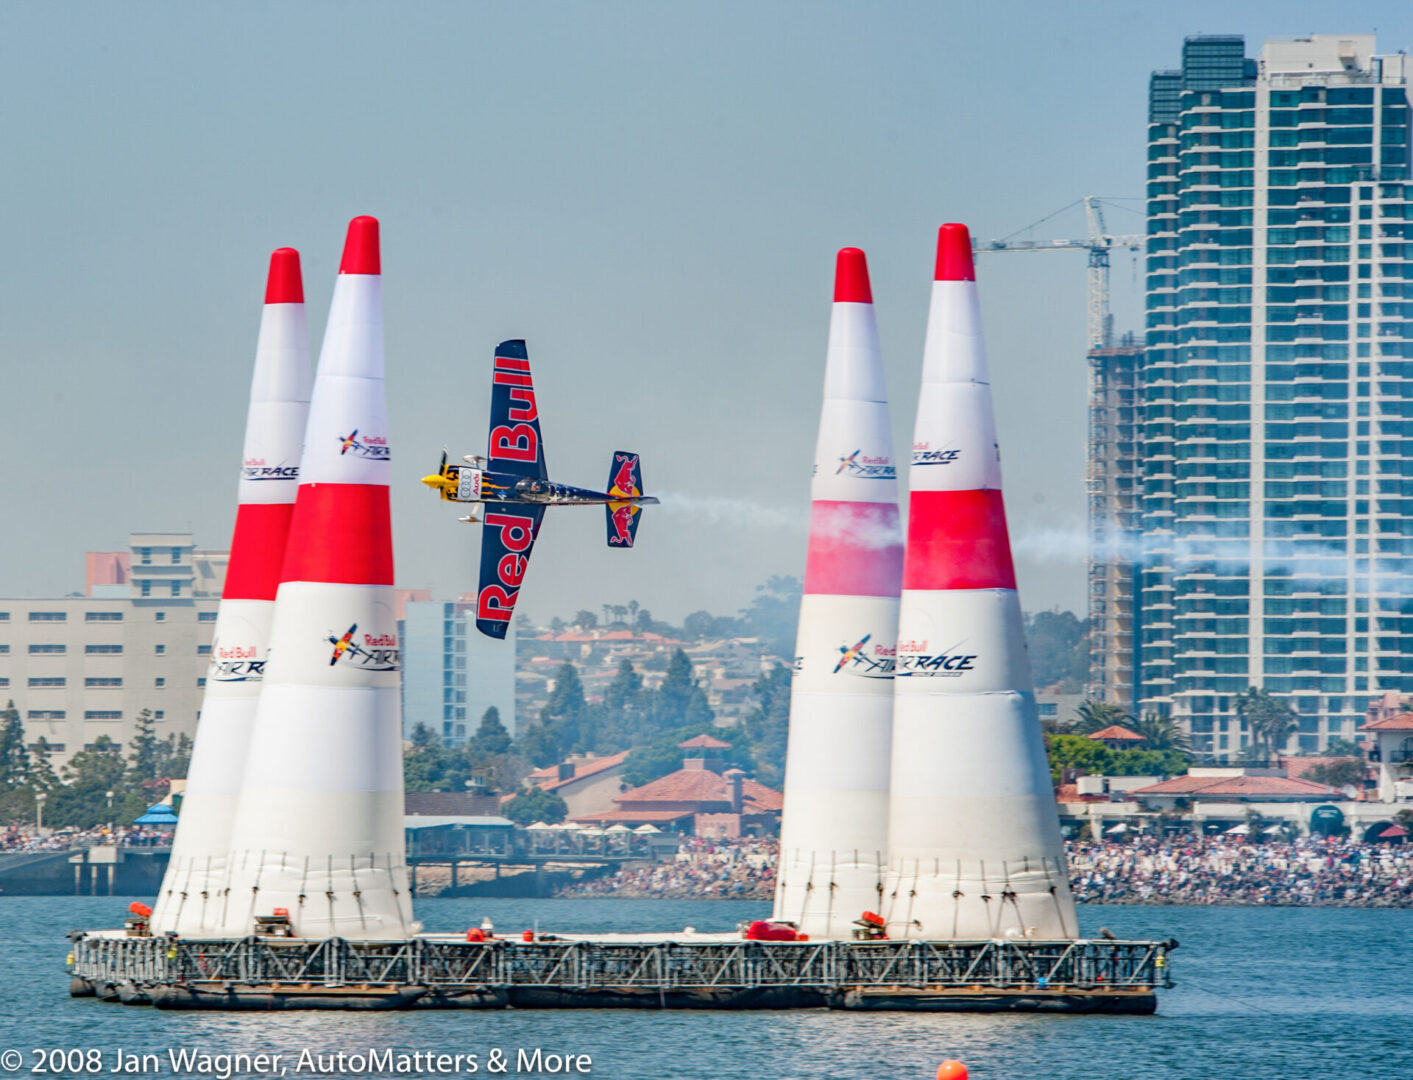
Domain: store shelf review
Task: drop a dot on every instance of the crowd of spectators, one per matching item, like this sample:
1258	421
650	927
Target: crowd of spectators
1187	869
17	839
1182	869
702	869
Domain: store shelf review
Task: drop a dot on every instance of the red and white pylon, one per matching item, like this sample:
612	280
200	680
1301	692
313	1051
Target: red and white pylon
974	835
274	436
833	842
318	830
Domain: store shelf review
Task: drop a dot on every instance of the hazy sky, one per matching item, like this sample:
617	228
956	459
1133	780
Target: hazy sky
650	193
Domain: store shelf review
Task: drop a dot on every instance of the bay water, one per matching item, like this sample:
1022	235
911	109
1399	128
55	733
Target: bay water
1262	994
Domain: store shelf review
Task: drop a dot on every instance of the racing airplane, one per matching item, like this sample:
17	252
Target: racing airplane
511	489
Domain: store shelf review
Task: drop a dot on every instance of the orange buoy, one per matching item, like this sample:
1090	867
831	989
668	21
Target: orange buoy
528	935
951	1070
137	907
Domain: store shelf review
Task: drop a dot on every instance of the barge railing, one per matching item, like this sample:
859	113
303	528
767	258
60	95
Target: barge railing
1080	965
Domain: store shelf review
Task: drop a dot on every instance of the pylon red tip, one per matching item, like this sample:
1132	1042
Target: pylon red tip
360	250
954	254
851	278
285	285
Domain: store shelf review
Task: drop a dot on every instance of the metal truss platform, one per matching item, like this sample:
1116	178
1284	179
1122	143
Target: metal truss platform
442	972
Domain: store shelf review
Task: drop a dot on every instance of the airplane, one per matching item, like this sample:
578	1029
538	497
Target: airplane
511	489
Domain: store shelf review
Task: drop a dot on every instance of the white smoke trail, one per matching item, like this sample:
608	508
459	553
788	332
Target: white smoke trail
1063	544
1070	544
725	510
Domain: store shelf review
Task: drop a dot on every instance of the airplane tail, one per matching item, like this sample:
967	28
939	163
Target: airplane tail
625	477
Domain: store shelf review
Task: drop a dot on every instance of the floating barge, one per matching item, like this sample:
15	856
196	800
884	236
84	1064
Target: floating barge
698	971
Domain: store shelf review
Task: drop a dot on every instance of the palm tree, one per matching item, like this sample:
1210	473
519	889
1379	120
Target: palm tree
1270	719
1097	715
1162	733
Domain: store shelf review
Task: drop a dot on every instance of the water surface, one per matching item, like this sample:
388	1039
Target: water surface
1263	994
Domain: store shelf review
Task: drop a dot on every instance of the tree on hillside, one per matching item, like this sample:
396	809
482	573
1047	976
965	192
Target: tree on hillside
1058	643
491	737
145	750
82	799
174	756
703	624
535	805
429	765
1097	715
767	724
625	721
585	619
559	728
1341	772
774	615
680	700
663	755
41	770
1088	757
14	759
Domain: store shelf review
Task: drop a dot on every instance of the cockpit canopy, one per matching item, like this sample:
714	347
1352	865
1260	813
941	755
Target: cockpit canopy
532	487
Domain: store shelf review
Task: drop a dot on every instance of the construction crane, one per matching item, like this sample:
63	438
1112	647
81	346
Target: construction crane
1099	243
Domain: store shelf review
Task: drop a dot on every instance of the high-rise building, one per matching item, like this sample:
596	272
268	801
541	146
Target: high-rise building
452	673
1277	387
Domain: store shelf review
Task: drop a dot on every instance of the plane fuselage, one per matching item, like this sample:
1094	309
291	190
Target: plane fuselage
466	484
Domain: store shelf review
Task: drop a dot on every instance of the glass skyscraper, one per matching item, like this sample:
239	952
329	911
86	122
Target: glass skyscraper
1276	449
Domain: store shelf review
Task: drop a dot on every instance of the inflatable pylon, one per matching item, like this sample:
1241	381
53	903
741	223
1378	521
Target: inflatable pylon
974	834
274	437
318	830
833	844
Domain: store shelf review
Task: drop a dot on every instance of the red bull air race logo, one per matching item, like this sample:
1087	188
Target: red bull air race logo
257	469
367	652
862	467
372	447
864	660
952	663
925	454
235	663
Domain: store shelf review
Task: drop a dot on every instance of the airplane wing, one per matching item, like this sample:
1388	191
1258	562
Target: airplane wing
506	539
515	444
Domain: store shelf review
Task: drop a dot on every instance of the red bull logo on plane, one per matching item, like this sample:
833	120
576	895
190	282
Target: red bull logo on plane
515	534
625	480
372	447
860	465
622	519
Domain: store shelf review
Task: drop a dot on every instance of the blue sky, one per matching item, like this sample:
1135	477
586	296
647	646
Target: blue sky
650	193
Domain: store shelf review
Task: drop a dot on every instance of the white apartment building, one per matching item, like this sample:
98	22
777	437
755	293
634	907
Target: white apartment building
80	667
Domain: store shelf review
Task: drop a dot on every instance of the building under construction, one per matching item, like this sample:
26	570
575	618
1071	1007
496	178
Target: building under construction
1113	484
1113	487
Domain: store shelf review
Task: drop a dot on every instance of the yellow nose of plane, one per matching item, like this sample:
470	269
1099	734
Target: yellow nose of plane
437	482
